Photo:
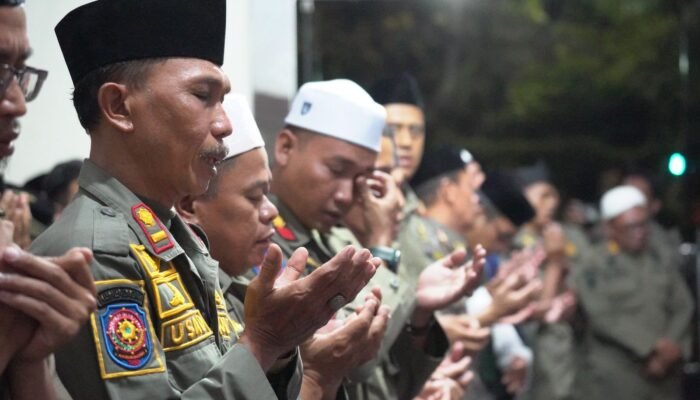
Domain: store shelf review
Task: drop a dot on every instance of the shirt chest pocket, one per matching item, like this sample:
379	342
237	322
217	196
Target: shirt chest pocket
657	288
623	294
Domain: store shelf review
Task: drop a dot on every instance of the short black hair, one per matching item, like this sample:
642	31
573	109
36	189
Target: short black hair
402	89
131	73
57	181
427	191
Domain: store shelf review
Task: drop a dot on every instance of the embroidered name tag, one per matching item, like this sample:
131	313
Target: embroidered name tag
119	293
184	331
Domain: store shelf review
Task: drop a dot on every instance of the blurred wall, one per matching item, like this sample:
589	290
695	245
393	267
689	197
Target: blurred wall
260	56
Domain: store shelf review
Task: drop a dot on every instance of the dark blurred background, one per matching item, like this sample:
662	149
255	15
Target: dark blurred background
592	87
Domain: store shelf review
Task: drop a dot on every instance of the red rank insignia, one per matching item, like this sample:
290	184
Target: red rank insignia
152	228
283	230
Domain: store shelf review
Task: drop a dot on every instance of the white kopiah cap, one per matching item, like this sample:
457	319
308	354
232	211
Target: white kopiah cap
246	134
619	200
339	108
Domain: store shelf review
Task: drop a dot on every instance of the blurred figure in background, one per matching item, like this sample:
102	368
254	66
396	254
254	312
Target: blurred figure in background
551	339
405	126
636	309
665	239
61	185
504	365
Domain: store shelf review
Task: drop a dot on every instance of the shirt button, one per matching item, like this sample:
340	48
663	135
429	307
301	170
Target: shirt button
108	212
394	283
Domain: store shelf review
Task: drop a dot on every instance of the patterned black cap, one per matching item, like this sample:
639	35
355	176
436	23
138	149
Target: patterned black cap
397	89
440	161
505	195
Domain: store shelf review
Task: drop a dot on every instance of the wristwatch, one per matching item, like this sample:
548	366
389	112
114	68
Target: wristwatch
389	255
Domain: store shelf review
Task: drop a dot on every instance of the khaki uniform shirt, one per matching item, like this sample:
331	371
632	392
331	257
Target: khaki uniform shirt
552	344
628	302
161	329
422	241
401	368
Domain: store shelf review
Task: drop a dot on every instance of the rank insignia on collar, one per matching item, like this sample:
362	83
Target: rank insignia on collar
528	240
422	231
442	236
145	216
151	226
283	230
126	336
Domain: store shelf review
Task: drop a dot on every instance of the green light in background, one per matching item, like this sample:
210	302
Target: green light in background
677	164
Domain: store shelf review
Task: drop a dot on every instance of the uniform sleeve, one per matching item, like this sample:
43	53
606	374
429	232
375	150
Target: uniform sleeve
416	364
680	311
605	319
118	355
236	376
284	379
402	372
287	385
414	257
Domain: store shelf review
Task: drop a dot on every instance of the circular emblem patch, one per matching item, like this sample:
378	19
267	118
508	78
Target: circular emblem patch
126	336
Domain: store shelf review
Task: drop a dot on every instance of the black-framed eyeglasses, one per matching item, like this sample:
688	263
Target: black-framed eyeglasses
29	80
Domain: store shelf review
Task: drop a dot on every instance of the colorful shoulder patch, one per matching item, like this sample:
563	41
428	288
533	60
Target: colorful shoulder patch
128	341
151	226
122	331
283	230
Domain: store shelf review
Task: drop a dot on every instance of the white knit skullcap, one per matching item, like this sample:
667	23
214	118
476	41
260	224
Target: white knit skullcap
339	108
619	200
246	134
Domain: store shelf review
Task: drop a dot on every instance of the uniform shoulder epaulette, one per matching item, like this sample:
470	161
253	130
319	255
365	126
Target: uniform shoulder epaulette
157	235
111	232
613	248
282	229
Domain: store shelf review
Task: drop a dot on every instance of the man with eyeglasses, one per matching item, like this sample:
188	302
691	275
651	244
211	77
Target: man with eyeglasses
43	302
637	310
19	84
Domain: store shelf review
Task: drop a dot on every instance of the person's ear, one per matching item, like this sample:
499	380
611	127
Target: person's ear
287	141
607	230
447	191
655	207
114	102
186	209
